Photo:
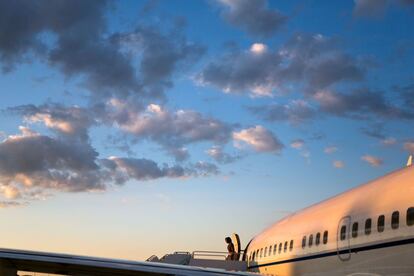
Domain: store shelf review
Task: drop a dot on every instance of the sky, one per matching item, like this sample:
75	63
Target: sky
133	128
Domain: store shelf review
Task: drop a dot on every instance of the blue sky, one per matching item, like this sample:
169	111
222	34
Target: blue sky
133	128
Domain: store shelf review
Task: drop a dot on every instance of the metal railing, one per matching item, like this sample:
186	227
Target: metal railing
152	258
211	254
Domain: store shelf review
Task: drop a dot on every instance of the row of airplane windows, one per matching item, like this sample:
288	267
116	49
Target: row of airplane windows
317	239
271	250
395	223
267	251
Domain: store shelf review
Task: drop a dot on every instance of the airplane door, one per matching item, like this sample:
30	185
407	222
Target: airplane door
343	239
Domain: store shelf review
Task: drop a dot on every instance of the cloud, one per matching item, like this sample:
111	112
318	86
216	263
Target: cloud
71	121
409	146
202	168
258	48
318	62
338	164
25	22
295	112
306	62
406	94
334	68
80	45
123	169
313	65
143	169
217	153
180	154
31	161
372	160
377	8
161	54
253	17
80	49
369	8
170	129
330	149
243	72
360	104
259	138
33	166
389	141
297	144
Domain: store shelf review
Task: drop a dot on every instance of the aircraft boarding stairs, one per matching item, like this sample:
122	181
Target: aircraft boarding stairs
209	259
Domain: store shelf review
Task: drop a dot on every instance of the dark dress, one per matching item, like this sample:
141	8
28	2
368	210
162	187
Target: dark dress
232	254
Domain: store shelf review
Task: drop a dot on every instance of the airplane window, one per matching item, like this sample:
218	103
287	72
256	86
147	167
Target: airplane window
325	237
381	222
274	249
265	252
395	220
291	245
310	242
355	230
280	247
343	232
368	224
285	248
410	216
318	239
304	242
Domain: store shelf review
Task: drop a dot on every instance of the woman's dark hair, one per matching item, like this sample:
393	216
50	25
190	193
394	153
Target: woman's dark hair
228	239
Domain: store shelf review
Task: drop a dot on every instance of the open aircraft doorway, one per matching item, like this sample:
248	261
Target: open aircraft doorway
343	239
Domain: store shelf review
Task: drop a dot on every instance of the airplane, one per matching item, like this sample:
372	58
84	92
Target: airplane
368	230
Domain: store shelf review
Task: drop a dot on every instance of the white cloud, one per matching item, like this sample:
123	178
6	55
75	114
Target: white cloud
259	138
258	48
297	144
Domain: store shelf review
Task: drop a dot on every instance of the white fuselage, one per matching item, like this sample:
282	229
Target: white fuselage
368	230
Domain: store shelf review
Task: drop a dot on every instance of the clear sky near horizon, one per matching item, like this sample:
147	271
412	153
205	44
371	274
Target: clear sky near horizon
132	128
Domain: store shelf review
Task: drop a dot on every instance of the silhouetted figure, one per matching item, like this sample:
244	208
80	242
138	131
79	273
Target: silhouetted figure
230	249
